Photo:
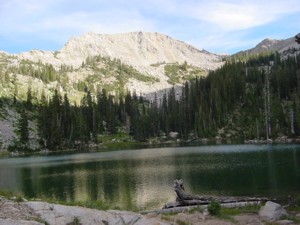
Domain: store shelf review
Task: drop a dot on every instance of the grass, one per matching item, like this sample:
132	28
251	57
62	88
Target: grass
295	208
181	222
228	213
117	141
121	145
19	196
224	213
4	152
292	218
111	67
97	204
101	205
182	72
166	217
240	210
195	210
226	217
120	136
92	204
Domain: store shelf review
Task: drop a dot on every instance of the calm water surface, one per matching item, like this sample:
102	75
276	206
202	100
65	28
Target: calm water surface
144	178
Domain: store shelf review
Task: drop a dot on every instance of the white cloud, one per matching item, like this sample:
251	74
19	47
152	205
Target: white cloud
41	21
197	21
238	15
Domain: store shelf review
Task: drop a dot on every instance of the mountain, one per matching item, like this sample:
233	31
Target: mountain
135	48
272	45
138	61
220	105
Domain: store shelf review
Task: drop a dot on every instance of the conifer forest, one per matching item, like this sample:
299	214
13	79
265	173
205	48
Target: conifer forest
255	97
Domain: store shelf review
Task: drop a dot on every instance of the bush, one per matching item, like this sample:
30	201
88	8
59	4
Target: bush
75	221
214	208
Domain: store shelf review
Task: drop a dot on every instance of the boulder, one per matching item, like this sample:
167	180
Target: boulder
272	211
173	135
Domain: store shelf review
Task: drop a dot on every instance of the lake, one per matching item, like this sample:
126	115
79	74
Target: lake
143	178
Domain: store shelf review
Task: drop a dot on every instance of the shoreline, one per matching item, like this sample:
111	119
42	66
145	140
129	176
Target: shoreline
118	146
19	211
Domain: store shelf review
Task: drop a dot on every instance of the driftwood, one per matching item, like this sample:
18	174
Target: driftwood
182	209
184	199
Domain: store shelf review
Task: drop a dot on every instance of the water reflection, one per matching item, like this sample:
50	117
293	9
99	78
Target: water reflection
144	178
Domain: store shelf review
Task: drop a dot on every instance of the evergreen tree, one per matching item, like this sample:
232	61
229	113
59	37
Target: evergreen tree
55	138
29	99
23	131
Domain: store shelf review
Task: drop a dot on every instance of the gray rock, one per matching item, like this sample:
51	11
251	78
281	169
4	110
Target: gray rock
272	211
284	222
60	215
173	135
298	215
19	222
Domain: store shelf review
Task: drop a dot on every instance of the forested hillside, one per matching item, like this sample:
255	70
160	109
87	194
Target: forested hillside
257	97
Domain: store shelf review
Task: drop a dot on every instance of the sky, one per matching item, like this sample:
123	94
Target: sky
217	26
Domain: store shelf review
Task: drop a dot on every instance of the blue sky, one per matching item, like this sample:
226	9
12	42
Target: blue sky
217	26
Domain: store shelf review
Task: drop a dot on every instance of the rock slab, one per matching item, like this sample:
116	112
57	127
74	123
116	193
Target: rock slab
272	211
55	214
285	222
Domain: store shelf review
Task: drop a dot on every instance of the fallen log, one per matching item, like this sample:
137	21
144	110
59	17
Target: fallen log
184	199
182	209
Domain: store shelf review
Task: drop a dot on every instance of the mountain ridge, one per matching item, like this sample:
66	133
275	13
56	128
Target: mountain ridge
147	52
158	62
24	76
273	45
134	48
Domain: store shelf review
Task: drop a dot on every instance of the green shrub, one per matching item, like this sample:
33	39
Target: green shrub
181	222
75	221
214	208
19	198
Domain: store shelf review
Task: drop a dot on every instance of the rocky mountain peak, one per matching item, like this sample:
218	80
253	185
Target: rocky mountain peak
273	45
152	61
267	43
134	48
137	49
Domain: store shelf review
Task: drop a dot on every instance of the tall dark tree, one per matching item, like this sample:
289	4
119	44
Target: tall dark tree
29	99
23	129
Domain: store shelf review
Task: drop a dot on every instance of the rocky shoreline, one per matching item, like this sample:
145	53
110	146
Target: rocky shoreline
278	140
40	213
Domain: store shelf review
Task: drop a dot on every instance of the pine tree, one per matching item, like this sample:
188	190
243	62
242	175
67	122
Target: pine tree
29	99
23	131
55	137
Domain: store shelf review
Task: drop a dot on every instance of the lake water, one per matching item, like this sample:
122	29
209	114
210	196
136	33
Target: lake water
143	178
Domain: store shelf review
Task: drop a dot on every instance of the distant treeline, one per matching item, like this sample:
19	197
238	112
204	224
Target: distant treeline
254	98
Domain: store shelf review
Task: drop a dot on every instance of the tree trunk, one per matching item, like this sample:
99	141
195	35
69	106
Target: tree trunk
184	199
292	120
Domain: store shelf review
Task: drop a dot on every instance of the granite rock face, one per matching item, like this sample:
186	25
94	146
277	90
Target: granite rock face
134	48
36	213
146	52
12	213
60	215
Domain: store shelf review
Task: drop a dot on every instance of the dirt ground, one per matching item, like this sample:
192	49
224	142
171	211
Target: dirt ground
200	219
